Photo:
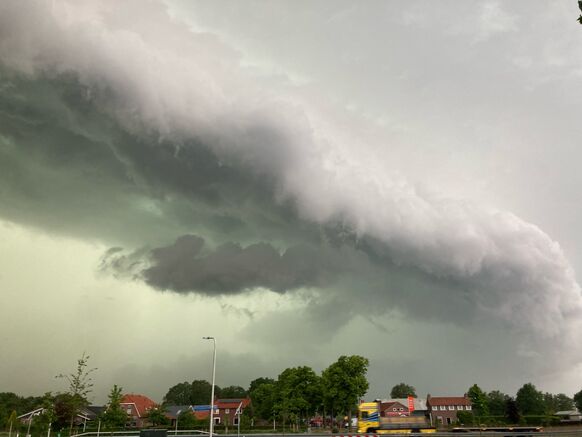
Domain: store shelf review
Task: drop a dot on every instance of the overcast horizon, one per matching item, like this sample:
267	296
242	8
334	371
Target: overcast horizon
398	180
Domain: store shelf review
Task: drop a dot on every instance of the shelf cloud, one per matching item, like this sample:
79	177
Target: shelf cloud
137	131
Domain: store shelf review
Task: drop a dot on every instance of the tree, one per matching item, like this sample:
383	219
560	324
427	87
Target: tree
465	418
13	422
263	400
478	400
512	412
563	402
157	416
233	392
496	402
402	390
179	394
578	400
201	392
187	420
255	383
80	386
197	392
298	394
114	415
529	400
49	414
344	383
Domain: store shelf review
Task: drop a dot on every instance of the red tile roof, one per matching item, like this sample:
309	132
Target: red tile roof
449	400
142	403
201	415
232	403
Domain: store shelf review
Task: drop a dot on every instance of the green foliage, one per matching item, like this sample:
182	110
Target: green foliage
80	386
555	403
512	412
263	400
187	420
297	394
529	400
258	382
402	390
233	392
114	416
478	400
344	383
179	394
157	416
465	418
12	402
578	400
202	392
198	392
13	422
496	402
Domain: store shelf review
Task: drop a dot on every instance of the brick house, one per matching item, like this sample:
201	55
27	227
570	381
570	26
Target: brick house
393	408
443	409
137	407
227	409
224	410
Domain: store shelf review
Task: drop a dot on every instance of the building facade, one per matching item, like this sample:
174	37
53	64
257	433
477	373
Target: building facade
443	409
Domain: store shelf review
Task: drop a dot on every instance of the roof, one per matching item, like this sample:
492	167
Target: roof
174	411
232	403
419	403
142	403
449	400
568	413
391	404
93	411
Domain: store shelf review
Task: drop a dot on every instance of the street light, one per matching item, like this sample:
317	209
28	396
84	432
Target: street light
212	391
177	416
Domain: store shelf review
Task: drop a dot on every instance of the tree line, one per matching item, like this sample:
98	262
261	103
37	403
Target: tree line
528	404
297	394
292	398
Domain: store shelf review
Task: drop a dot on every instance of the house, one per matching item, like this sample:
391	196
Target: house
402	406
443	409
393	408
571	416
137	407
173	412
229	410
81	418
226	411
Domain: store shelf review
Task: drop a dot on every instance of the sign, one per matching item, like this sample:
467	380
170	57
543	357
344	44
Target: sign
410	404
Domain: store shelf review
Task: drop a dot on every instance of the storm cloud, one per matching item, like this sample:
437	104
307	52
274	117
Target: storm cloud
185	266
140	132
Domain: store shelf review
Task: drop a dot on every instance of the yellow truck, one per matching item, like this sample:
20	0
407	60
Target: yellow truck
394	416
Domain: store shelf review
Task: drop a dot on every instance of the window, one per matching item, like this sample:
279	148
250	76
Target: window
235	420
442	407
449	421
128	411
459	407
227	411
467	407
217	420
451	407
401	409
364	415
394	409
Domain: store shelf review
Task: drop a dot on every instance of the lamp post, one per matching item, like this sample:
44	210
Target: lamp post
177	415
212	390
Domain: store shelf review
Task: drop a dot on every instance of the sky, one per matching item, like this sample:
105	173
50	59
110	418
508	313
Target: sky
398	180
